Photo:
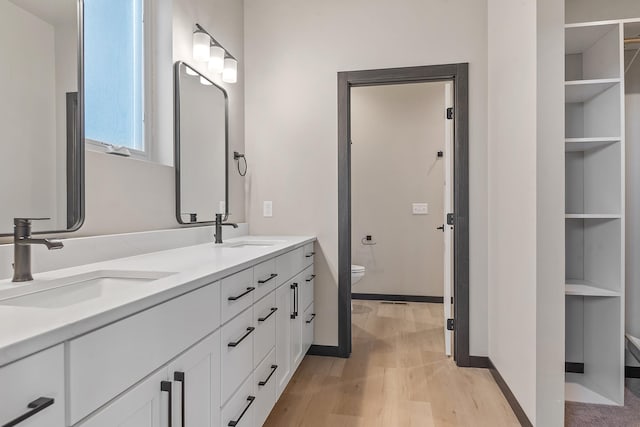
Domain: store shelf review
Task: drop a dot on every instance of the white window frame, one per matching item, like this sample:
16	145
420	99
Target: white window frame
145	62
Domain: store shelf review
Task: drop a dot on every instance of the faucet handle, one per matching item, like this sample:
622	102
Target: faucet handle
22	226
20	221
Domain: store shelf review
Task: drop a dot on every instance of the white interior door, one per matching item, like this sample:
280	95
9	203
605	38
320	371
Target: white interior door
448	229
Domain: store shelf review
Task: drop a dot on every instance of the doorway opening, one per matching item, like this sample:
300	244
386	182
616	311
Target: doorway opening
454	220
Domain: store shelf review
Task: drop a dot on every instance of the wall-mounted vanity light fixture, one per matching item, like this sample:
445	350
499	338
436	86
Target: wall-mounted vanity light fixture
219	60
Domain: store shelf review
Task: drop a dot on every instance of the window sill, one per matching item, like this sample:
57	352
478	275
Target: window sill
142	156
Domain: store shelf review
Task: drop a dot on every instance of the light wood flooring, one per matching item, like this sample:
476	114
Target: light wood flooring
397	375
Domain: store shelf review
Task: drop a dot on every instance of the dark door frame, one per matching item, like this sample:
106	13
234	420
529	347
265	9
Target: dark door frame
459	74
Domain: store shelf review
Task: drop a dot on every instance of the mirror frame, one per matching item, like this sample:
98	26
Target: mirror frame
176	142
75	158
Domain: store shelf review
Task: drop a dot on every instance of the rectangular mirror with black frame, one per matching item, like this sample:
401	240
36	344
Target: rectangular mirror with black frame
201	146
41	114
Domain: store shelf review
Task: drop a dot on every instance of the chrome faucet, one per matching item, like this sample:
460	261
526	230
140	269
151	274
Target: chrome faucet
219	225
22	242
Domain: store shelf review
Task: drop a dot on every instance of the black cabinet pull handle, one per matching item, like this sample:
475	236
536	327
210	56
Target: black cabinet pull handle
310	254
313	276
234	423
247	292
249	330
313	316
165	386
294	287
271	277
36	406
273	371
179	376
273	310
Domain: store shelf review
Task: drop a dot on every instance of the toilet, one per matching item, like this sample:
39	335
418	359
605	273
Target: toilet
357	273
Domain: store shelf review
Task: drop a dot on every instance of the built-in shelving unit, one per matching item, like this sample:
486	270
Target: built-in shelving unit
594	211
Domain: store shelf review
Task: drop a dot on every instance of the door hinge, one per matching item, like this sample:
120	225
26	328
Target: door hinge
450	113
450	219
450	324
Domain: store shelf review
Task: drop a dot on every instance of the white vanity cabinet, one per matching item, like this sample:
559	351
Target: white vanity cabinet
32	392
219	355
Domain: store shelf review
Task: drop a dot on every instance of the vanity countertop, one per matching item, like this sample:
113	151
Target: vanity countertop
26	330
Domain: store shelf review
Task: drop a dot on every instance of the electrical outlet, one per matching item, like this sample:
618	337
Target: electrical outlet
267	209
420	208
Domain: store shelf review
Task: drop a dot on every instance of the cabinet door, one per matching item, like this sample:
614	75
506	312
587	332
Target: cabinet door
196	384
265	388
308	328
296	325
237	352
33	390
146	405
239	410
284	298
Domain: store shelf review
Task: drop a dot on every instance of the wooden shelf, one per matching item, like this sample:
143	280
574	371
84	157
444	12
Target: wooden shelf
578	91
592	216
585	289
575	390
586	144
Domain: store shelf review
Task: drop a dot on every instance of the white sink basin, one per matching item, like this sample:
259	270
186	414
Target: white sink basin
252	243
73	290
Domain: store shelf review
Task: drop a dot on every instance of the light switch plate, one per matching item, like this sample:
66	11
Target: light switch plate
267	209
420	208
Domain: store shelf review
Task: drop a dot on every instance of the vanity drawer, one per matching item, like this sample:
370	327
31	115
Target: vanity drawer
308	254
35	377
309	319
265	277
237	294
237	352
289	264
240	408
104	363
265	387
265	323
307	280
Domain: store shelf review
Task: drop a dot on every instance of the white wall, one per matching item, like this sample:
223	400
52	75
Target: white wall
224	20
293	53
124	194
512	196
526	205
28	173
600	10
396	132
550	209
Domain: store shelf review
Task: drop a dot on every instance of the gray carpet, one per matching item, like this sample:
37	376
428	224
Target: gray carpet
584	415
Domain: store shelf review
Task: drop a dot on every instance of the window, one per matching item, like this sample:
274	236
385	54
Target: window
114	72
